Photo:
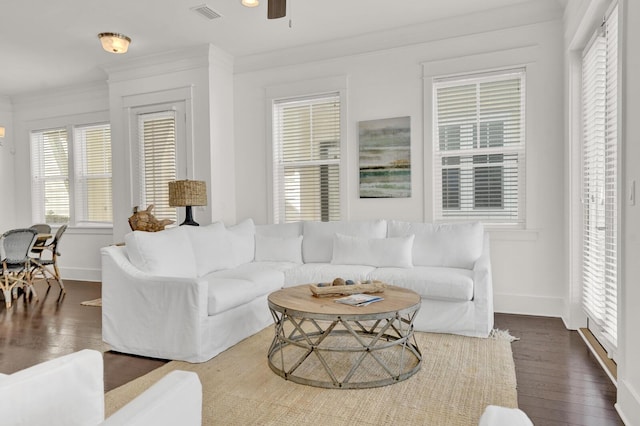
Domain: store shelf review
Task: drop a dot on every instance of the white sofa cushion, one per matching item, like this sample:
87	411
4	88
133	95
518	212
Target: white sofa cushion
278	249
317	244
313	273
455	245
210	247
283	230
228	293
242	242
430	282
391	252
234	287
165	253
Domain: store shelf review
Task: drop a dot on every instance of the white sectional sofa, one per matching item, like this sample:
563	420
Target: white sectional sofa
188	293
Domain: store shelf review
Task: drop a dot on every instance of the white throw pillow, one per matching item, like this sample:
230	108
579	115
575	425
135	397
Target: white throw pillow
282	230
242	240
379	252
317	244
165	253
277	249
211	247
453	245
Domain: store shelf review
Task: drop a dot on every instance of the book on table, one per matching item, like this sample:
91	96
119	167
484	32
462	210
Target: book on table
359	299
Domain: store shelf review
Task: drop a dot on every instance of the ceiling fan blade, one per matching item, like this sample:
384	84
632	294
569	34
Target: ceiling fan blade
276	9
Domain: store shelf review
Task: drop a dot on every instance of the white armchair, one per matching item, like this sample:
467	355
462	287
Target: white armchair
70	391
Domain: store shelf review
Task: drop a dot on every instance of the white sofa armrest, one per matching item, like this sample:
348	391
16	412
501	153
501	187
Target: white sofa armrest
483	287
176	399
64	391
154	316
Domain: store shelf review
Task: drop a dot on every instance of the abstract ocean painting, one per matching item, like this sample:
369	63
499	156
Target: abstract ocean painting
385	158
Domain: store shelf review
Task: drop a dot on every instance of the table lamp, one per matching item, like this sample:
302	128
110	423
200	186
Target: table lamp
187	193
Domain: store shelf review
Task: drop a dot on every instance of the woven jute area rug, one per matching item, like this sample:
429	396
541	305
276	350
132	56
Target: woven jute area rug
94	302
459	377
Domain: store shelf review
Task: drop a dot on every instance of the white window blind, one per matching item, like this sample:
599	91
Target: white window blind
92	159
50	176
599	180
158	166
479	147
306	156
86	199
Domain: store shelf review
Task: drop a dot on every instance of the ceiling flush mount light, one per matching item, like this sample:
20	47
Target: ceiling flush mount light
114	42
250	3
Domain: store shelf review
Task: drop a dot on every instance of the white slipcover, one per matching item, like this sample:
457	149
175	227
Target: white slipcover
193	317
69	391
313	273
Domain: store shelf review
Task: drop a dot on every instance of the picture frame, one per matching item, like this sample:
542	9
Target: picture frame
384	147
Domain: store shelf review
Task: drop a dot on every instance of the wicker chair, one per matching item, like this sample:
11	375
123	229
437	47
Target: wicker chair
38	246
45	267
16	265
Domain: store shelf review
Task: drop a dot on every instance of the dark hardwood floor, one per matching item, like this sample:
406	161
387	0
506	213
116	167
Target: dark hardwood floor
559	381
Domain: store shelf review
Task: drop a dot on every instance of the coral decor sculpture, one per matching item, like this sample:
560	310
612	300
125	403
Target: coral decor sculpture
144	220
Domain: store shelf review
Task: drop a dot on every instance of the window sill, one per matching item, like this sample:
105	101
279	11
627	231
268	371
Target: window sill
87	230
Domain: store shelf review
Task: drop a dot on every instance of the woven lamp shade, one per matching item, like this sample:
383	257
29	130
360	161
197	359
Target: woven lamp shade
187	193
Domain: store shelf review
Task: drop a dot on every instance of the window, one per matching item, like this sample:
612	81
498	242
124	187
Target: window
93	174
599	182
306	157
479	154
158	160
84	200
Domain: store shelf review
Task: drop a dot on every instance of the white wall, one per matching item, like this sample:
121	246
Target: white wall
629	314
528	264
193	75
203	73
79	247
7	180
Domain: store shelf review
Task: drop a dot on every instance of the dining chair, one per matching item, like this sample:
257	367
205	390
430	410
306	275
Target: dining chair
43	229
16	263
47	267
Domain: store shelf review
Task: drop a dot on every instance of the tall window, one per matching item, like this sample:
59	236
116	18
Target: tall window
479	147
84	200
599	181
158	160
306	157
92	161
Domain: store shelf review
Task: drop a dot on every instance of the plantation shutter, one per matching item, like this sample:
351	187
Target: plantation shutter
157	133
479	149
50	176
306	152
93	199
599	181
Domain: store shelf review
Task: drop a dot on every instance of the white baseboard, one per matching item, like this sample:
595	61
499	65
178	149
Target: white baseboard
528	305
628	405
81	274
574	316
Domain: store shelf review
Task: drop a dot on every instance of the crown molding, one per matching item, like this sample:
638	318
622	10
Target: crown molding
195	57
505	18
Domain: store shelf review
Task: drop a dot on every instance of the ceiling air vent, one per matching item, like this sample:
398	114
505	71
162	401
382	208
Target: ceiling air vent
206	12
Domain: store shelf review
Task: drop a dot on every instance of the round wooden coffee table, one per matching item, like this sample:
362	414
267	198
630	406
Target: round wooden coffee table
320	342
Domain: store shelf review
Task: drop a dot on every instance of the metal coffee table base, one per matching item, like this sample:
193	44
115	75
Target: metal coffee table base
383	342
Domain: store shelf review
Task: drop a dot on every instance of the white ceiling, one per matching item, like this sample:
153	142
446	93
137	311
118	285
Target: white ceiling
45	44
